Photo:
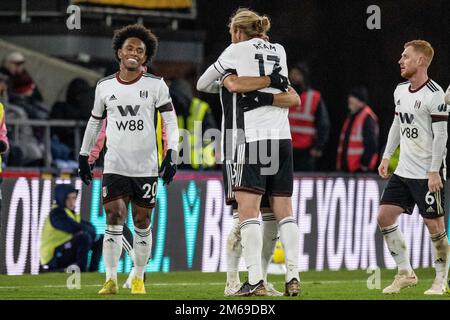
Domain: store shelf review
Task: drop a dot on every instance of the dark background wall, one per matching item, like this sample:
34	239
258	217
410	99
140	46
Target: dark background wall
333	38
330	35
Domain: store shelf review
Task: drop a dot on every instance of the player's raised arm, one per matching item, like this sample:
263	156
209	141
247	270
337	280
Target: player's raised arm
93	128
391	145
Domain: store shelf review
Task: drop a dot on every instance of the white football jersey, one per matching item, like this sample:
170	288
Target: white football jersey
130	132
254	58
415	111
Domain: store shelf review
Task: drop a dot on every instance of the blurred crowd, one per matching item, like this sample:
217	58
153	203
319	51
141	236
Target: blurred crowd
357	150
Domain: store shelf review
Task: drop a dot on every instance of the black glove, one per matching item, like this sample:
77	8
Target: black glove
168	167
277	80
3	146
84	169
255	99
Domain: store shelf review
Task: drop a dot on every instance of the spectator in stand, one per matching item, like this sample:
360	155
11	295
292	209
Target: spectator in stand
358	142
310	124
22	89
78	105
27	151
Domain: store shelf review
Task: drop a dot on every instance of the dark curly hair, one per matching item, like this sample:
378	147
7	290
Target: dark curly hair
136	31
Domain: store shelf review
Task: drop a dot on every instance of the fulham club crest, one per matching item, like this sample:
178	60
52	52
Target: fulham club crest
144	94
417	104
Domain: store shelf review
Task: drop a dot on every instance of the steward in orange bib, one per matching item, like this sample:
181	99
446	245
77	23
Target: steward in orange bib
358	142
309	122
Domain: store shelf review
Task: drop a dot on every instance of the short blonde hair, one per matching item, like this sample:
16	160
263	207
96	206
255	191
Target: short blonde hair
423	47
252	24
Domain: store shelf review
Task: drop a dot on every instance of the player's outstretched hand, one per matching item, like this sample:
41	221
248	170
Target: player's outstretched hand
84	169
278	81
383	168
255	99
168	167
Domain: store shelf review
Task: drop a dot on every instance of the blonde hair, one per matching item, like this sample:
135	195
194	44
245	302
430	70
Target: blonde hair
249	22
423	47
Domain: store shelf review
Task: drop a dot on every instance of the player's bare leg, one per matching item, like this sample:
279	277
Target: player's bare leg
251	235
282	209
439	240
116	213
142	246
387	221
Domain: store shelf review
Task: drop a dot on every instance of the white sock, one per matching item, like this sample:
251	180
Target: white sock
234	251
289	240
128	248
112	249
142	246
270	237
440	253
251	248
397	247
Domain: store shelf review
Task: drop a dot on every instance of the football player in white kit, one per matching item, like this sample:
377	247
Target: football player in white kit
420	127
129	100
251	55
234	105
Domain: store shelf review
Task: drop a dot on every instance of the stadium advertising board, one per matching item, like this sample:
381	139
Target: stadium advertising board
336	217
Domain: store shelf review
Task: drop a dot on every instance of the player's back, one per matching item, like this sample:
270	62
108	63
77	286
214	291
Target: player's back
255	58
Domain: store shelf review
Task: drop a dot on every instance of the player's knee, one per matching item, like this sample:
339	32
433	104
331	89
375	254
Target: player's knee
141	221
114	215
434	225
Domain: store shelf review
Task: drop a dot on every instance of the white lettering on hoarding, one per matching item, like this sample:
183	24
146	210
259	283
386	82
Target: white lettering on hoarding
304	220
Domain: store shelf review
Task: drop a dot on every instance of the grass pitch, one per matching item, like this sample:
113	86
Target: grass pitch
324	285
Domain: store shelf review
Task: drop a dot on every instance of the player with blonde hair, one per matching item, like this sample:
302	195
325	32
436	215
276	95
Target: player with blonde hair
252	55
420	128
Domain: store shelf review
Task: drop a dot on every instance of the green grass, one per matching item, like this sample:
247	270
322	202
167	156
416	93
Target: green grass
341	285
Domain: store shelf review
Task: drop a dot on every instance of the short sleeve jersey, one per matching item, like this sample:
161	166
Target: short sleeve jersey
416	110
254	58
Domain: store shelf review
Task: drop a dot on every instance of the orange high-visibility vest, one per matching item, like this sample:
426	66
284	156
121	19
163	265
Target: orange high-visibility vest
301	120
355	148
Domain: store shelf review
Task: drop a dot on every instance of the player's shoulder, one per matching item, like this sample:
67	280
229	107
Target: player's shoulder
401	87
433	87
403	84
152	80
106	79
151	76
